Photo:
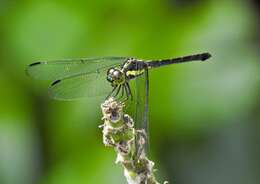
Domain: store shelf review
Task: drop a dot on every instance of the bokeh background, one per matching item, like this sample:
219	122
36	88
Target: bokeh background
204	117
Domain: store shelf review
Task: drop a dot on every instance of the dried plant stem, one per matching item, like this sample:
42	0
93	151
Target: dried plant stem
119	132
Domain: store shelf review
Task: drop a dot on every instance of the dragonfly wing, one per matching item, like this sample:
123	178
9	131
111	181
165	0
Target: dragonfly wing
141	115
80	86
53	70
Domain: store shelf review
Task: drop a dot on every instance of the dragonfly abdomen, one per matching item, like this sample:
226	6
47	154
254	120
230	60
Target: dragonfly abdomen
197	57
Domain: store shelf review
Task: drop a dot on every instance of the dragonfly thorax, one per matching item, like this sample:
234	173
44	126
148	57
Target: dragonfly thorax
115	76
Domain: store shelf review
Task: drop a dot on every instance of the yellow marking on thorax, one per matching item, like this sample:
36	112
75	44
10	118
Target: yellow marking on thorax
134	72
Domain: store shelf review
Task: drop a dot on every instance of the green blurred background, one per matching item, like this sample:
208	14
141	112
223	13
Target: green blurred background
204	117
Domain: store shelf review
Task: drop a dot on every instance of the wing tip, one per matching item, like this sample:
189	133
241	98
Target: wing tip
27	70
53	95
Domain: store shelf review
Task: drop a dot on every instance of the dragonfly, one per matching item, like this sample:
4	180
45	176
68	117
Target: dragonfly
87	77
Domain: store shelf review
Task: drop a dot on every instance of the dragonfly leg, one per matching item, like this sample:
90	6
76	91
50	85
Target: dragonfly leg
118	90
109	95
122	92
129	90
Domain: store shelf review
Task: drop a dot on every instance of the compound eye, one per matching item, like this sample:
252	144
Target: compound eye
110	71
116	74
109	79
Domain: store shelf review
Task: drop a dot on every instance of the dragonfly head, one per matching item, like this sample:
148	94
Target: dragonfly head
115	76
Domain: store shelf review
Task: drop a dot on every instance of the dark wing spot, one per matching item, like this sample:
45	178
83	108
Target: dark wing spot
55	82
36	63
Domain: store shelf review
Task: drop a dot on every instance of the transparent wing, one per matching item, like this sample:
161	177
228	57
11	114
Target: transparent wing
80	86
141	115
138	107
58	69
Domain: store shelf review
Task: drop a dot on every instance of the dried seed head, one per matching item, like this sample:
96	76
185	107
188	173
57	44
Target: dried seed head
112	110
